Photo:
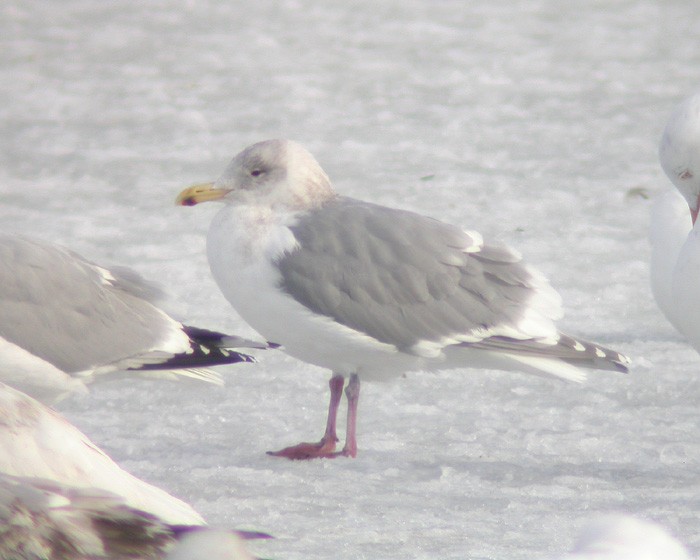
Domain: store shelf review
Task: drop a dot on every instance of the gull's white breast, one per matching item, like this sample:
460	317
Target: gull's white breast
242	245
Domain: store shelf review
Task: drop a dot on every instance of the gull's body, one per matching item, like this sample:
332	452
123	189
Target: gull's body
671	225
43	519
369	291
675	233
37	442
65	321
623	537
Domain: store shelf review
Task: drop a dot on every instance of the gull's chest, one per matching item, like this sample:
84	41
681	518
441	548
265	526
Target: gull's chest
685	291
242	247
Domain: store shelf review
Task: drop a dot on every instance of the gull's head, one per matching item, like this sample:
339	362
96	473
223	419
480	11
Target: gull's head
624	537
679	151
275	173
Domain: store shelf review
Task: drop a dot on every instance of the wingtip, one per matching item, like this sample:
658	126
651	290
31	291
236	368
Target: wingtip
216	339
620	362
592	355
623	365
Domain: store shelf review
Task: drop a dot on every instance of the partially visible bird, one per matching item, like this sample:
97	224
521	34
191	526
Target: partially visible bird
65	322
37	442
46	520
674	231
369	291
623	537
210	544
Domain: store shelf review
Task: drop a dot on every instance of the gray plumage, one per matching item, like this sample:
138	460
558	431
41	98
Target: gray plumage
61	308
403	278
80	318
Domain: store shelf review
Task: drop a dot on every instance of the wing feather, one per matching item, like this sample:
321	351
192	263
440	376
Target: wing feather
403	278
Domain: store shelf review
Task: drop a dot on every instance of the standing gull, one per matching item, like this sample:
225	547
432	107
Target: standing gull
65	321
674	231
370	291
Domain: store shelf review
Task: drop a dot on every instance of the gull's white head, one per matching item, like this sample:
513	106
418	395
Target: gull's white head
622	537
275	173
679	151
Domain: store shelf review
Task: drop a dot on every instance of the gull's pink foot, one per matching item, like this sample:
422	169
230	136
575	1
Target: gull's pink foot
321	450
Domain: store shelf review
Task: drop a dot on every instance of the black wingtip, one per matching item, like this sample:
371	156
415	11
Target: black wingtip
217	339
622	367
595	356
208	348
199	357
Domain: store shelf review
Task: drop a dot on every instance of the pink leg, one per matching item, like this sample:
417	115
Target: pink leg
336	385
352	392
325	447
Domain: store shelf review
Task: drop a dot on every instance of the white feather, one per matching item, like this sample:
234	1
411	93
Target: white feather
35	441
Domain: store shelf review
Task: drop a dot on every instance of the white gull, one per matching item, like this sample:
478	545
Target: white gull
623	537
674	231
44	519
49	520
369	291
37	442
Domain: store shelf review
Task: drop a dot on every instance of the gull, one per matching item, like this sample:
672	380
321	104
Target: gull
210	544
371	292
37	442
44	519
674	232
65	322
623	537
48	520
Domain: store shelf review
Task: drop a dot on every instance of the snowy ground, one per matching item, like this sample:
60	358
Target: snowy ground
534	122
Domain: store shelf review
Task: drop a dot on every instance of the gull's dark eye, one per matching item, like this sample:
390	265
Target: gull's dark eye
256	172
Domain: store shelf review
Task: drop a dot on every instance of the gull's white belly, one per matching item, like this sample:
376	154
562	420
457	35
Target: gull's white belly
36	377
669	232
686	289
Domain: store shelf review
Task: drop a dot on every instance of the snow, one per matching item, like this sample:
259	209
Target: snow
536	123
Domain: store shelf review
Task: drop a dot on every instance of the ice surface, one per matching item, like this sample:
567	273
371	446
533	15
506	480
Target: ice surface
533	122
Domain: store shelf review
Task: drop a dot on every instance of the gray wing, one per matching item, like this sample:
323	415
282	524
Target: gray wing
68	311
417	283
403	278
79	316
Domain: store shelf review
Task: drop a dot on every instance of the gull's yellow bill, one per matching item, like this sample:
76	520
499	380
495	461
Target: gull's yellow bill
203	192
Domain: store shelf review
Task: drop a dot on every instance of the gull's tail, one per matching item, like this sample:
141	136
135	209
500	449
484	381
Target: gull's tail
561	359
